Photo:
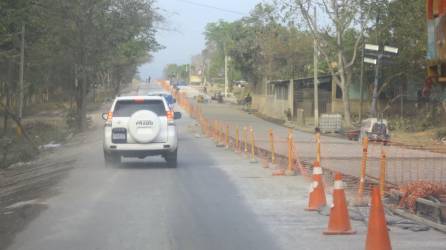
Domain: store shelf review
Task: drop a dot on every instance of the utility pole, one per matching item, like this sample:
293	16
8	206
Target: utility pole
373	109
226	75
402	102
316	78
361	84
190	73
361	79
22	66
376	55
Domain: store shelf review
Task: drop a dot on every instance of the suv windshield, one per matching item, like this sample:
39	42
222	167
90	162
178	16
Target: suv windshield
126	108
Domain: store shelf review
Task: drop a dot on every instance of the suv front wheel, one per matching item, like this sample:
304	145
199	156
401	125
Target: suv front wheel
172	158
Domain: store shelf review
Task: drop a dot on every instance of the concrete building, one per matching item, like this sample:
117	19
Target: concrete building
279	99
284	99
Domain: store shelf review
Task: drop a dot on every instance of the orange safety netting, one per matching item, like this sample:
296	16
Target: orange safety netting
420	189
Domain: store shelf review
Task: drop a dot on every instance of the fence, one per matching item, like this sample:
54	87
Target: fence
403	163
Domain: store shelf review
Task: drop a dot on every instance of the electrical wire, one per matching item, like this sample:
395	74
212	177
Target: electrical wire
212	7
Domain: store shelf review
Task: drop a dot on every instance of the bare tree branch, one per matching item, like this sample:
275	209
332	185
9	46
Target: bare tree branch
329	13
389	81
390	102
312	26
359	38
19	124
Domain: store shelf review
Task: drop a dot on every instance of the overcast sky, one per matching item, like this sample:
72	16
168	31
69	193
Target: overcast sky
185	21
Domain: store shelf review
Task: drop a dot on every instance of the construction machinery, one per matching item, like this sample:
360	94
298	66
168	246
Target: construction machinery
436	45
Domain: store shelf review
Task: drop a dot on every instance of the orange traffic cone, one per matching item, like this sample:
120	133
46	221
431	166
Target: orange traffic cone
317	194
377	234
339	222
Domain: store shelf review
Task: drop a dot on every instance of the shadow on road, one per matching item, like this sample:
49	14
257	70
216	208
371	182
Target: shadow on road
148	163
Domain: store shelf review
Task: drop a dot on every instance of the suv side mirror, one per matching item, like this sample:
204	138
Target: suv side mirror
104	116
177	115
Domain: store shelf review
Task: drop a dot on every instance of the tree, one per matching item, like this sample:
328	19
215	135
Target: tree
403	26
343	16
260	46
14	14
178	72
73	45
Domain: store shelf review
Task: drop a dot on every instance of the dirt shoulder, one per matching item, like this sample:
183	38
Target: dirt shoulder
25	185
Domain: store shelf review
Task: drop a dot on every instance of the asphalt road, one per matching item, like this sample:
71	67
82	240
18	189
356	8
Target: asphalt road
145	204
215	199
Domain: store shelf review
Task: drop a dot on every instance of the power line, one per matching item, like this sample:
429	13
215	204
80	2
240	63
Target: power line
212	7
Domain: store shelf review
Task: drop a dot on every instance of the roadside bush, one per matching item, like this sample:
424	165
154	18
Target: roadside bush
441	133
414	124
288	114
71	119
43	133
45	107
15	150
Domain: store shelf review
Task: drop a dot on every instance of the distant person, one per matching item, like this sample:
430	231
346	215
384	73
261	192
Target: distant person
149	79
248	101
422	100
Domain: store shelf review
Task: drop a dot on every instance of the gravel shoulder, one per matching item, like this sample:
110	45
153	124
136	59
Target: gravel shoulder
25	186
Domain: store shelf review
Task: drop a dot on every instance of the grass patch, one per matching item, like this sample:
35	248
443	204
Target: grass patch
15	149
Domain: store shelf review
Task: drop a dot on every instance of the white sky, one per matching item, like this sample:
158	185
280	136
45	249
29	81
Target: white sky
186	20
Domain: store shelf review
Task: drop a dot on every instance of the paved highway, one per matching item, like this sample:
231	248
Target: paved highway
214	200
145	205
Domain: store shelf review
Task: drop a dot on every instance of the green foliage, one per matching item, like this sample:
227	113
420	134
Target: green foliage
71	119
276	42
83	41
179	72
259	46
440	134
427	118
15	149
406	124
402	25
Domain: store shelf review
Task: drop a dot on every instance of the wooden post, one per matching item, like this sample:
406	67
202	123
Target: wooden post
222	134
290	170
237	140
216	130
318	147
253	146
382	176
245	138
365	146
227	136
273	150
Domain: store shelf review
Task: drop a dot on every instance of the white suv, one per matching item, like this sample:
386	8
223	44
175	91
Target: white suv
140	126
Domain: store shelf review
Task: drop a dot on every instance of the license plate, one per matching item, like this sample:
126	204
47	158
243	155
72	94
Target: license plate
119	136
